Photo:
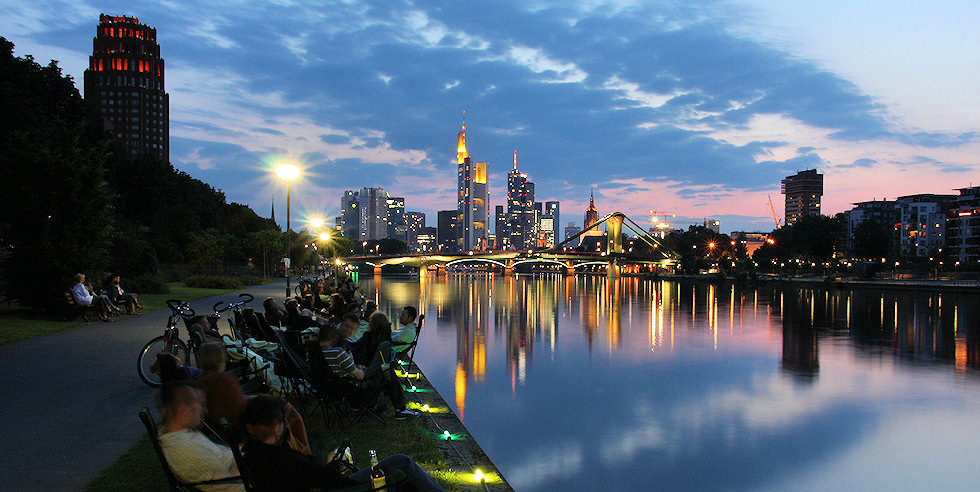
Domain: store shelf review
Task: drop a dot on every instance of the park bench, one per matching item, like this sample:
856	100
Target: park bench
75	309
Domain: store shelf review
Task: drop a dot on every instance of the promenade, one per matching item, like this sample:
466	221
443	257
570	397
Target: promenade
69	402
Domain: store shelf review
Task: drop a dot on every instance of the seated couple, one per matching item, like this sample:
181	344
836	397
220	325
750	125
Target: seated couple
193	457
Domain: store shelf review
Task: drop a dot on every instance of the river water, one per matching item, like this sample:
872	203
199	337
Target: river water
585	383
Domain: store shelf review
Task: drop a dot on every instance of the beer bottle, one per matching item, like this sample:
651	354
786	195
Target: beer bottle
377	474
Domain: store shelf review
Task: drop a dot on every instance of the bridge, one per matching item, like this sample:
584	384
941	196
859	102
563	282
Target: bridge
613	259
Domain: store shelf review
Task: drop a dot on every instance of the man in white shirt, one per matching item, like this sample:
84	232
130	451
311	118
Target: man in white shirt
191	455
405	334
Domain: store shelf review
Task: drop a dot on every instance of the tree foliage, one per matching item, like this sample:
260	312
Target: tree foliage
75	201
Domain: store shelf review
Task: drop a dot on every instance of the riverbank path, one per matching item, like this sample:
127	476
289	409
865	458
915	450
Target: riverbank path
69	401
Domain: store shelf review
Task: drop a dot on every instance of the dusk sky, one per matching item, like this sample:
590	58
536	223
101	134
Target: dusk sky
696	108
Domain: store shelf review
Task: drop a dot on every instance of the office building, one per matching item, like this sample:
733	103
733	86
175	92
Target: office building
922	223
414	222
397	227
571	230
426	240
551	209
472	200
521	224
803	192
447	238
124	85
963	226
880	211
713	225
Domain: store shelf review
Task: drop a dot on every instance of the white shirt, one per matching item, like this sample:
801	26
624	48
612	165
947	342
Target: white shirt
193	458
405	334
81	295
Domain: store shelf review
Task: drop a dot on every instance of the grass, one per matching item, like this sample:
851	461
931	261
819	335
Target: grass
20	323
139	469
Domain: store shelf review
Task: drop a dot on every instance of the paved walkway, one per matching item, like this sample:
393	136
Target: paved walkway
69	403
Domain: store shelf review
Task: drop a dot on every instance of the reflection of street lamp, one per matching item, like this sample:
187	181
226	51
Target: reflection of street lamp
287	172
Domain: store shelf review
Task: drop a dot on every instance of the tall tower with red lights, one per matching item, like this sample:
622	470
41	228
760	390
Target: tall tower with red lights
124	84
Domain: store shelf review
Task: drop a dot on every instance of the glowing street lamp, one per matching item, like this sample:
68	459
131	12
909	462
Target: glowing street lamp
287	172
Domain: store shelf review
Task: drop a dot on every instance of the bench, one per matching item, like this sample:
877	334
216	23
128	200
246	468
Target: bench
76	309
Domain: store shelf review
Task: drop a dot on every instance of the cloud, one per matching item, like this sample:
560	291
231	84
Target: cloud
631	96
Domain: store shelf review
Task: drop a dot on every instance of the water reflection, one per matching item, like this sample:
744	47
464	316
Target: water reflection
584	382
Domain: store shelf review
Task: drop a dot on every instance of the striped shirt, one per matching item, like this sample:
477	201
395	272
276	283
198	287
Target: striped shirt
340	361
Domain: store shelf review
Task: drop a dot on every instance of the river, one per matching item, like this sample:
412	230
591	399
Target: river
584	383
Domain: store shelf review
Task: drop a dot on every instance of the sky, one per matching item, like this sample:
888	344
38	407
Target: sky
696	108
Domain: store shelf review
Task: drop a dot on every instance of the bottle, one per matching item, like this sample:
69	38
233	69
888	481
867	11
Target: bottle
377	474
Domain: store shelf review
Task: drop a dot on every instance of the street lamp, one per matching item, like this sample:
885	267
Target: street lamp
287	172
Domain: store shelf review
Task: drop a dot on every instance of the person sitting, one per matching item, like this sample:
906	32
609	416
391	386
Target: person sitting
379	330
371	376
362	324
298	319
118	296
282	469
275	314
225	397
406	334
83	296
191	455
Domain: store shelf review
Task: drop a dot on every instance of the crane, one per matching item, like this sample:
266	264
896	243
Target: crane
773	211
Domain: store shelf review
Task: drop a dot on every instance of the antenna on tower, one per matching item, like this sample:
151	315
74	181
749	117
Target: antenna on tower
464	120
515	159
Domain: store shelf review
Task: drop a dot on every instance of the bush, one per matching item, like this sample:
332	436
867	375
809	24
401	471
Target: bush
145	284
251	280
206	282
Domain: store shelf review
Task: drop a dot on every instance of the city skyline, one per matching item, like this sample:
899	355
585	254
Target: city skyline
700	111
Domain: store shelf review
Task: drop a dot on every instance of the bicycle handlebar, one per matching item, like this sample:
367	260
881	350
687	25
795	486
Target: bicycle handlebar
178	306
246	294
215	307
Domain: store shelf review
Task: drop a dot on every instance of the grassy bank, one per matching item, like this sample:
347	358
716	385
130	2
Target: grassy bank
20	323
139	469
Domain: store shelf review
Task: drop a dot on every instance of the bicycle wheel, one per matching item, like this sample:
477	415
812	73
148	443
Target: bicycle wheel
148	357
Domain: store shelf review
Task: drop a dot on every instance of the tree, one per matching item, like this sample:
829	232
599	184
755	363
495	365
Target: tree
55	212
872	240
207	248
264	244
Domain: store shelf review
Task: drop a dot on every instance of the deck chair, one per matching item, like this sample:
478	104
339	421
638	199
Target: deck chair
345	392
292	368
176	485
227	433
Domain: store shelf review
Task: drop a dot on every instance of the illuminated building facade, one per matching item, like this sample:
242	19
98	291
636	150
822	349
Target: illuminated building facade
124	84
521	220
397	227
472	200
414	222
963	226
803	192
922	220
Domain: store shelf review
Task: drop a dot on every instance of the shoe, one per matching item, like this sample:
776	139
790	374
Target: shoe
107	319
406	413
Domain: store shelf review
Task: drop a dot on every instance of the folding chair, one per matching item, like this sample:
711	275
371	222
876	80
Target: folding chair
405	352
177	485
342	390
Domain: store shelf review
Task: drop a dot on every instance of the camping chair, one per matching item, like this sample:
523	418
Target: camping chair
292	368
405	352
227	434
341	389
176	485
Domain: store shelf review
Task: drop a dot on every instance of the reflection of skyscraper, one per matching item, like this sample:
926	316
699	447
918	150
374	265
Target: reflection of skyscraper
800	335
473	198
124	84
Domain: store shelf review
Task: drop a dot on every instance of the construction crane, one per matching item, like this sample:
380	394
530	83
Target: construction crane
773	211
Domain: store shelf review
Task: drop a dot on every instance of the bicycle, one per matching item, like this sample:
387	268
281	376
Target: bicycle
169	342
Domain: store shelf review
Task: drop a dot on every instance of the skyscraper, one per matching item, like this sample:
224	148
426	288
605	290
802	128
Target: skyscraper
414	222
447	237
397	228
124	84
803	192
520	210
551	208
473	198
591	217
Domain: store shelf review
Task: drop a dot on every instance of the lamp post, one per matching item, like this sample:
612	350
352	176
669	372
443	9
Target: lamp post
287	172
